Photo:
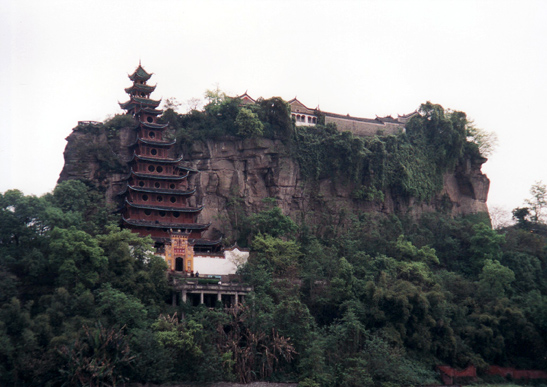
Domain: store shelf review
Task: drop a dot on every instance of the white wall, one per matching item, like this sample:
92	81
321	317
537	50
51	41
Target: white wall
220	266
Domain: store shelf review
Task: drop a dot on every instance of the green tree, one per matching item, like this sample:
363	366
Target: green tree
248	124
278	257
442	133
76	258
273	222
485	244
495	279
120	309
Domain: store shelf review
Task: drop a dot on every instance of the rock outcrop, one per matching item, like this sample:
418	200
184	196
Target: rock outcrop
247	171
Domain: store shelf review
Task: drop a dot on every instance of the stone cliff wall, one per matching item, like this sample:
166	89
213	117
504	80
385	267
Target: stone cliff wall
247	171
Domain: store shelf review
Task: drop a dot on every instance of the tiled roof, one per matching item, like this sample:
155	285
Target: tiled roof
140	74
156	143
139	102
163	191
147	89
159	177
179	226
157	160
205	242
152	125
164	208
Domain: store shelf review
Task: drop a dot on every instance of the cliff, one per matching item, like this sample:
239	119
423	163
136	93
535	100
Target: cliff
245	171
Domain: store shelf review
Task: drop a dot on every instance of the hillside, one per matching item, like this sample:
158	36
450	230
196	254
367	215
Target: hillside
372	261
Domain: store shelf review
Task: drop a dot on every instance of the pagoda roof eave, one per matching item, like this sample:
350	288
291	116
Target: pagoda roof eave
161	208
155	143
152	125
140	74
147	101
152	111
159	143
135	102
127	105
206	242
158	177
162	191
179	226
139	87
155	160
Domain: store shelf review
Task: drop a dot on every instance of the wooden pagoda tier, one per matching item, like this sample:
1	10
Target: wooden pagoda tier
157	196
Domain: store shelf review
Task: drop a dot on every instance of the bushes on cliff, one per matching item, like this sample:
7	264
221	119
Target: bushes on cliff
224	116
408	165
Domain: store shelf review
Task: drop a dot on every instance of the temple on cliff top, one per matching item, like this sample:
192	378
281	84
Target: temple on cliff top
158	191
358	126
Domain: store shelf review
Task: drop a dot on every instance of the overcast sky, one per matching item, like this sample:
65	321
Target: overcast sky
65	61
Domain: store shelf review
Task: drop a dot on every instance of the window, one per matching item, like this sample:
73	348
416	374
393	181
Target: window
141	183
154	152
151	168
149	119
159	169
151	134
159	198
162	213
145	198
157	185
173	199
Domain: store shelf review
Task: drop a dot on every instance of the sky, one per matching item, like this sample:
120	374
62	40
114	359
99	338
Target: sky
66	61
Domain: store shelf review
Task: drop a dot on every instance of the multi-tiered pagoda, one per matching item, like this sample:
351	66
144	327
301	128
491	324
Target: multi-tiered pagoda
158	192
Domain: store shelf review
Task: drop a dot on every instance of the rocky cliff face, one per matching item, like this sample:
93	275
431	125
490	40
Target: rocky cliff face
247	171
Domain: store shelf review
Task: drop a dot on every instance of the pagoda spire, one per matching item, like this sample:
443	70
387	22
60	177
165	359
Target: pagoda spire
139	104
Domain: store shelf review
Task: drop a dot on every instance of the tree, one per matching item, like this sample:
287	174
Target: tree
279	257
486	141
248	124
538	201
273	222
495	279
97	358
442	133
521	215
171	103
215	95
485	244
76	258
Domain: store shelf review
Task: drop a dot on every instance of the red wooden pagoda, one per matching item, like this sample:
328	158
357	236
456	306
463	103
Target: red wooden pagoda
158	192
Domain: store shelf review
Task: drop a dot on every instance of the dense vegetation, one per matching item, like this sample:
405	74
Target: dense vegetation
407	165
374	300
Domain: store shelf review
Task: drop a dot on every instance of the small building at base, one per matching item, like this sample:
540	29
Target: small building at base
204	278
181	257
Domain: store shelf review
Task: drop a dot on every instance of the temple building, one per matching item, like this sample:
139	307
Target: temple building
158	192
305	116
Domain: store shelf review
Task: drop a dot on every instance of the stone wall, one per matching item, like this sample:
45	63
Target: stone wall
363	128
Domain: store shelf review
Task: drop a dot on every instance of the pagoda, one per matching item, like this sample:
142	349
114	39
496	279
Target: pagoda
156	199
